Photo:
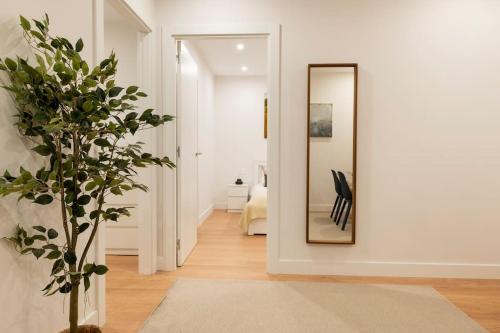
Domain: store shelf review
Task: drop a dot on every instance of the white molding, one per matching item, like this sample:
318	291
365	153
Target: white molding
392	269
161	263
168	177
91	319
122	252
100	242
203	216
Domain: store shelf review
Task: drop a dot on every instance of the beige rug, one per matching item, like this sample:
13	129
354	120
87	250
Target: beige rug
228	306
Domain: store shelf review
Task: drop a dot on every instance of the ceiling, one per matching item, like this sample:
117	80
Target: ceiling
223	58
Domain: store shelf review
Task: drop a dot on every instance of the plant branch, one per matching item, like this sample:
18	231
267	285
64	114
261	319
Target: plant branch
60	179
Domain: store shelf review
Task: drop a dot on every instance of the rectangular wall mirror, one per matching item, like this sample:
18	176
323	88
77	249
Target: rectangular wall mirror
331	153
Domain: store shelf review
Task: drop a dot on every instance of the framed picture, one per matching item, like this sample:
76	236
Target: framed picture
321	121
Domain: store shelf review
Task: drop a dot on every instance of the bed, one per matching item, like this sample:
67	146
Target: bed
253	221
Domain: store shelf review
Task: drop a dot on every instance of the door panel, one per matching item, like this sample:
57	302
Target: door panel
187	166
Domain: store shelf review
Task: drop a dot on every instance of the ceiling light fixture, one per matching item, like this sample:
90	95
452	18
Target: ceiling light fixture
240	46
244	68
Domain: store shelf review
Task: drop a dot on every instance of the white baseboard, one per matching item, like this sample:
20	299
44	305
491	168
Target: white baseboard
90	319
203	216
122	252
399	269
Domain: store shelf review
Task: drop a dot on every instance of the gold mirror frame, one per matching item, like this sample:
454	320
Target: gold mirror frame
355	111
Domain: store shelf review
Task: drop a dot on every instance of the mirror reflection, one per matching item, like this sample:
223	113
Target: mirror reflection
331	153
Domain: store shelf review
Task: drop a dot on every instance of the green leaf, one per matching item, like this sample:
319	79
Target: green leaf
58	67
88	268
39	237
115	91
94	214
42	150
38	252
70	257
88	106
85	68
44	199
28	241
79	45
54	254
52	233
100	269
86	282
131	90
39	228
102	142
84	199
90	186
25	23
58	266
116	191
50	247
11	64
49	286
82	227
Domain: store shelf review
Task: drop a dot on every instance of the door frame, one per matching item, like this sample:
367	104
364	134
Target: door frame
168	145
147	229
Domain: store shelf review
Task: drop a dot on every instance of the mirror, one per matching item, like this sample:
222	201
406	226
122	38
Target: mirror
331	153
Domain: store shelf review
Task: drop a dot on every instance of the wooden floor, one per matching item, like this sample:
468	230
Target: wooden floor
224	252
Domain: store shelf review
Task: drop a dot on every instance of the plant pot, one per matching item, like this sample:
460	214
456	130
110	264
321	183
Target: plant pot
85	329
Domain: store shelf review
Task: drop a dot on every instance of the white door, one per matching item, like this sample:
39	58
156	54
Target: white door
187	165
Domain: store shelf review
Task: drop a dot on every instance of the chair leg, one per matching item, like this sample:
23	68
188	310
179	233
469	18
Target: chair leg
341	212
335	205
337	210
347	214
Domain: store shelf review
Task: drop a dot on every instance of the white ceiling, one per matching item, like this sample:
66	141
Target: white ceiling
222	57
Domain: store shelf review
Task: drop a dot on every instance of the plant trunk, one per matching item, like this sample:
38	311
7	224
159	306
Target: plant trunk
73	309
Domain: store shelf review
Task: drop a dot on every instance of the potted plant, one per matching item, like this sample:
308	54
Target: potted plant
77	118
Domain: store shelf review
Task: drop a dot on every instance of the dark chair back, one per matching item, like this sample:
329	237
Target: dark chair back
338	186
346	191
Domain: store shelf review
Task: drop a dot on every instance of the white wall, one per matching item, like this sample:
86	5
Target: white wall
336	88
23	308
122	38
428	139
239	130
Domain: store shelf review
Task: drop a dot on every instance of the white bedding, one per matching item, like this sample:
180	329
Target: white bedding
253	219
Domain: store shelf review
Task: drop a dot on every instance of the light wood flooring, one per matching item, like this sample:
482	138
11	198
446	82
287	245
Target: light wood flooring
223	252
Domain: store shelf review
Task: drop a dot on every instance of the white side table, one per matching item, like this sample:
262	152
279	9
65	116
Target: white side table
237	197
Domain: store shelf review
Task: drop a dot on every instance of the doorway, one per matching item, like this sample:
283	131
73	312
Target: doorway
269	33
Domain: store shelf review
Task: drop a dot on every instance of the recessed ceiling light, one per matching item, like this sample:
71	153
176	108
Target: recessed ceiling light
244	68
240	46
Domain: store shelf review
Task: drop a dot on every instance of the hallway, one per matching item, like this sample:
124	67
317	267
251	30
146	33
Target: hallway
223	252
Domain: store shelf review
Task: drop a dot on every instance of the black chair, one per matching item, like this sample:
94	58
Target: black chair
339	199
347	195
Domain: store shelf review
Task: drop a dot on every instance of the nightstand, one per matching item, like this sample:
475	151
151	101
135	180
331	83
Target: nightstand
237	197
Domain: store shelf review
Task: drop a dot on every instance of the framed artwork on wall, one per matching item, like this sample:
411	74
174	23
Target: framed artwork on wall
321	122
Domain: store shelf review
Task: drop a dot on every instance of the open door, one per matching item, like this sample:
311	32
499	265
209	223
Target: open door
187	164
